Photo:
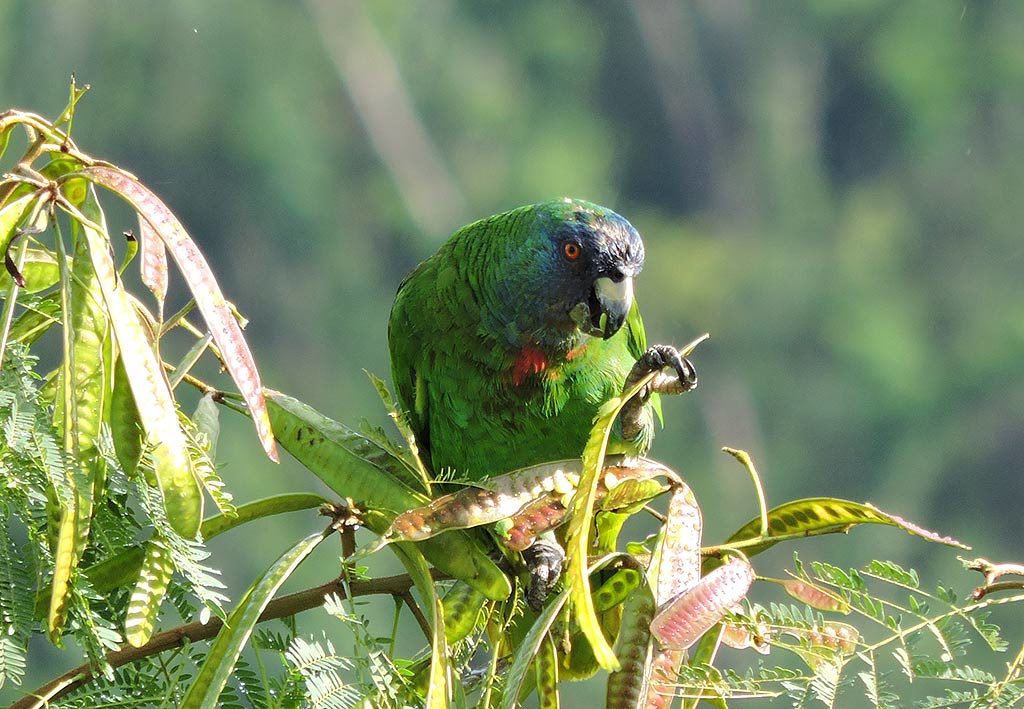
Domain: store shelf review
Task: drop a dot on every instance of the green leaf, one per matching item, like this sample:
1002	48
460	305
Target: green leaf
228	645
355	467
823	515
528	649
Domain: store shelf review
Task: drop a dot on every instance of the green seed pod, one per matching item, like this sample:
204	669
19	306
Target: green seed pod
628	686
462	606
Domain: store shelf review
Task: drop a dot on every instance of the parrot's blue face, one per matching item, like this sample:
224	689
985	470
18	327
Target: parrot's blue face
591	258
568	272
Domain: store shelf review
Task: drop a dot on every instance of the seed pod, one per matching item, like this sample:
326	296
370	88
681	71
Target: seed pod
533	520
630	494
740	637
351	466
504	496
681	622
148	594
462	605
616	589
546	667
679	565
628	687
815	596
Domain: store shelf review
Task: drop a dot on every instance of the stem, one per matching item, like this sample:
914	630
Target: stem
744	458
417	614
397	586
12	297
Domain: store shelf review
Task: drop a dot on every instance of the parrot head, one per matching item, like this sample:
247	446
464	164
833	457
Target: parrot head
574	269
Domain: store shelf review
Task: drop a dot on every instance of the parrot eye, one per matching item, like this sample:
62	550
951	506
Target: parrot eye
571	250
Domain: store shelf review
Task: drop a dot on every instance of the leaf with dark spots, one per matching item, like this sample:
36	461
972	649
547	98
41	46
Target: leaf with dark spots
825	515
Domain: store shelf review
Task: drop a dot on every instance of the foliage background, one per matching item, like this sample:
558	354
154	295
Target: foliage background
832	188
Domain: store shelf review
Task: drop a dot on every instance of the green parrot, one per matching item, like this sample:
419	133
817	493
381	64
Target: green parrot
506	342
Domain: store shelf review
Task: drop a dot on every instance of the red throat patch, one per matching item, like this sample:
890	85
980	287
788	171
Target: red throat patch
529	361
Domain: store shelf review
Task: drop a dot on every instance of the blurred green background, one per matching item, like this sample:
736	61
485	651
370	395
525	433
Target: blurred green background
832	188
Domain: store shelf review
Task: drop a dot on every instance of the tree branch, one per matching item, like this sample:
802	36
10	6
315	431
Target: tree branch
398	586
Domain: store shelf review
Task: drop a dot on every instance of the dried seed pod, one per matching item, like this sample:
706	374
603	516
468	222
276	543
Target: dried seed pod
679	567
741	637
504	496
536	518
681	622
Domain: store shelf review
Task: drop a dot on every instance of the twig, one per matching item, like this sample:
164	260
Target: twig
982	591
417	613
991	570
397	586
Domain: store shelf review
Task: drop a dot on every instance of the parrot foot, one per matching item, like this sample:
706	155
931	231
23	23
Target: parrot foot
676	375
544	559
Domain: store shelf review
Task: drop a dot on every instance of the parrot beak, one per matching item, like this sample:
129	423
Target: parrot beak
612	299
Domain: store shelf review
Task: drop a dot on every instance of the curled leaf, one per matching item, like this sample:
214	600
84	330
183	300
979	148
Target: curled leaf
209	298
38	271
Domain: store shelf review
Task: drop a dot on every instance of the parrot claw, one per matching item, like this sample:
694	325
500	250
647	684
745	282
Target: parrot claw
681	379
658	357
544	559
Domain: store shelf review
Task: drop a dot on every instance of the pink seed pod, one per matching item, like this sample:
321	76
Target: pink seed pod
536	518
682	621
815	596
503	497
679	568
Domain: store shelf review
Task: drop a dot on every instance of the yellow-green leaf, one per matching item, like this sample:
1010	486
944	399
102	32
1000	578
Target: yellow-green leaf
228	645
823	515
